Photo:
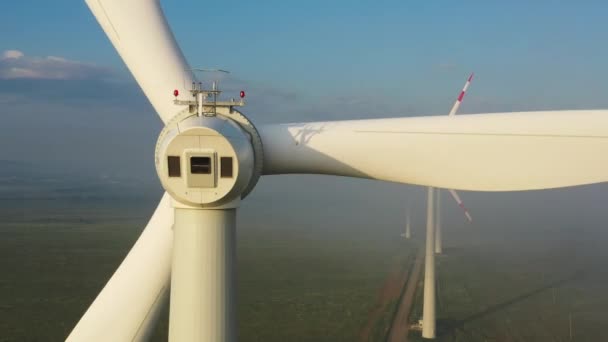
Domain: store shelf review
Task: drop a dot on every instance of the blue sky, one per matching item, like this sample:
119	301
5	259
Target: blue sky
345	46
318	59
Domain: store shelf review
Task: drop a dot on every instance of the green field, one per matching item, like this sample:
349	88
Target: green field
298	284
522	285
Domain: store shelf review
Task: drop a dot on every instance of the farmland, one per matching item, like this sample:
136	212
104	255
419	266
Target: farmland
542	284
294	284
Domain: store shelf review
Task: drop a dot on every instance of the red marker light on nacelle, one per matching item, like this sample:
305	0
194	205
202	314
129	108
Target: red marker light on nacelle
242	94
176	93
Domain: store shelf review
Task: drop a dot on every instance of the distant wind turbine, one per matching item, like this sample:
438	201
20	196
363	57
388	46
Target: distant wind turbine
434	239
408	223
438	225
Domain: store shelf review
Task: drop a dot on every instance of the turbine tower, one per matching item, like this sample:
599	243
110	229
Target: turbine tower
428	303
209	156
408	222
438	241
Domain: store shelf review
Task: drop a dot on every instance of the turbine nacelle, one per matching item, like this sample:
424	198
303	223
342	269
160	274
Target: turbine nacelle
205	161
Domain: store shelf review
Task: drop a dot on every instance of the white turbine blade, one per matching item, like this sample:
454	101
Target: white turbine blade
460	97
139	32
461	204
485	152
127	307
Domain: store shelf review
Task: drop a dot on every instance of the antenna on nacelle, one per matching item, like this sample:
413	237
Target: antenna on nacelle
202	103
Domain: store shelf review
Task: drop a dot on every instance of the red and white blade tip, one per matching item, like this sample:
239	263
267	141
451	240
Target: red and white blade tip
461	204
466	213
461	96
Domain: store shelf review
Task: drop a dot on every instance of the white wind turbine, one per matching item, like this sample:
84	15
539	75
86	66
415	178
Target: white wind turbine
433	243
209	156
438	225
408	222
407	234
437	203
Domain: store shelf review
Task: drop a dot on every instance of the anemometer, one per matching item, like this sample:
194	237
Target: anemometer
205	101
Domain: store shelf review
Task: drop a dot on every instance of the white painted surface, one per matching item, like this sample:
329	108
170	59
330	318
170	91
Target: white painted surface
203	306
214	137
485	152
408	223
128	306
428	309
438	241
139	32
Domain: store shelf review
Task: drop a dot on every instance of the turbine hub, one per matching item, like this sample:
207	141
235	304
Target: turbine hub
206	161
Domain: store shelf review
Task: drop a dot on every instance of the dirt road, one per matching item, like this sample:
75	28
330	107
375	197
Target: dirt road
391	290
399	329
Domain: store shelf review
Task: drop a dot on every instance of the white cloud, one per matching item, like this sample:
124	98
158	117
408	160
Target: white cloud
15	64
12	54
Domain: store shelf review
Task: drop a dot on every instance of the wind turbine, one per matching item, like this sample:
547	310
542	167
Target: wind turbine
433	243
437	203
438	226
209	156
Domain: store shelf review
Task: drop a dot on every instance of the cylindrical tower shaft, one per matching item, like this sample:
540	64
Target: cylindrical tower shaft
408	224
428	310
203	276
438	238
